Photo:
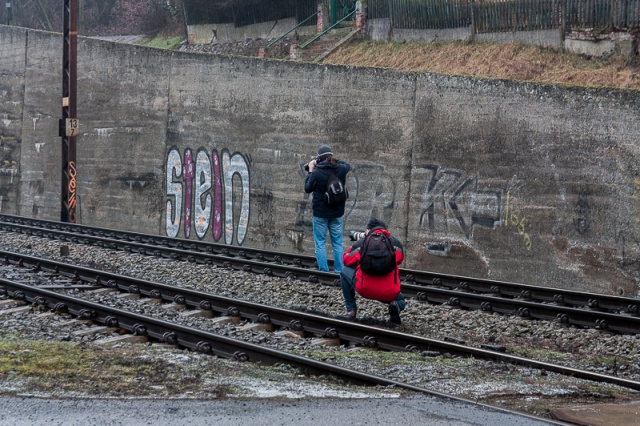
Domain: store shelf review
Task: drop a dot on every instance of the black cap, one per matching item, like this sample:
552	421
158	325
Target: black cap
324	152
376	223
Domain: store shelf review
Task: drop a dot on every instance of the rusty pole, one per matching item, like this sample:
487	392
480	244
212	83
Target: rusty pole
69	126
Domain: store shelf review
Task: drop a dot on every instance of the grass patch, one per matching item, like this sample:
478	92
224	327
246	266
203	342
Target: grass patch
163	43
95	370
511	61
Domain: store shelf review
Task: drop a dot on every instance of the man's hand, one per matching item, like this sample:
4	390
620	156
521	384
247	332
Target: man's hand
312	165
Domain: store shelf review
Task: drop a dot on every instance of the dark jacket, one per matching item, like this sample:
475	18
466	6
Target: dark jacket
316	183
383	288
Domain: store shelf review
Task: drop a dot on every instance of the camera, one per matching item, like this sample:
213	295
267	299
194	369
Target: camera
306	166
356	235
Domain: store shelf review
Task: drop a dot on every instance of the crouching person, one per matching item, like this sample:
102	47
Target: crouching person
371	268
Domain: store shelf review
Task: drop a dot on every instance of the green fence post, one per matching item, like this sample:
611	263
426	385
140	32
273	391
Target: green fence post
333	12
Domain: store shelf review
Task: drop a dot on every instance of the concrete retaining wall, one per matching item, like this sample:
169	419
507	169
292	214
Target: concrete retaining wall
511	181
582	42
226	33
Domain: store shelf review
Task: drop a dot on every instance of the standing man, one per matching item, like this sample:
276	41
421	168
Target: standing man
372	269
327	214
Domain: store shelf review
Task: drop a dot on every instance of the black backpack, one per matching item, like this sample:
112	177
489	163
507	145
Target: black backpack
336	192
377	255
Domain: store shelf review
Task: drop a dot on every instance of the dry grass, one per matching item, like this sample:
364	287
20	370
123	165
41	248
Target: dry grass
503	61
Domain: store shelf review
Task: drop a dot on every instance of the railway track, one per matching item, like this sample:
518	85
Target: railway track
179	335
71	247
32	279
588	310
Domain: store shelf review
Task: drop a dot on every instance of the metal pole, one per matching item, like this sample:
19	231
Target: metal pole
9	13
69	126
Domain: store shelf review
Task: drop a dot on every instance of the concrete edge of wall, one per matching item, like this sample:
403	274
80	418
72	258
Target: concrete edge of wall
227	33
381	30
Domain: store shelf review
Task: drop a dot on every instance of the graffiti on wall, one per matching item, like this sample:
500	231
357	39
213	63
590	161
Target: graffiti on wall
517	219
450	196
627	232
200	194
10	154
454	203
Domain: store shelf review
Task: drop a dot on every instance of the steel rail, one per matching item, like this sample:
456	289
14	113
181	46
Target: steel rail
619	315
561	297
368	336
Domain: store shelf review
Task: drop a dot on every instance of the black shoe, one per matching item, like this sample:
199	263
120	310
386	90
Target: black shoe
394	313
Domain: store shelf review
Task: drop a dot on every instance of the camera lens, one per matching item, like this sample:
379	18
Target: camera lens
355	235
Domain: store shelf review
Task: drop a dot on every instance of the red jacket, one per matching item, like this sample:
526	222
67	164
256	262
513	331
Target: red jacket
383	288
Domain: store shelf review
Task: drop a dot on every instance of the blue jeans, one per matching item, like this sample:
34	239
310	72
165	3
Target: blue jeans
348	283
320	225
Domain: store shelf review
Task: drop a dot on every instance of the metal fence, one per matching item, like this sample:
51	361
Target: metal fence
507	15
246	12
484	15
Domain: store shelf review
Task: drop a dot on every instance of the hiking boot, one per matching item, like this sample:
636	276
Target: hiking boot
352	314
394	313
